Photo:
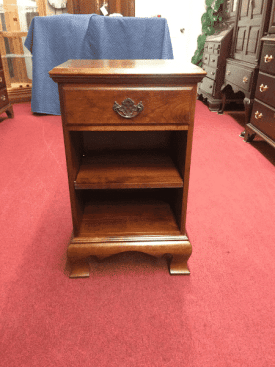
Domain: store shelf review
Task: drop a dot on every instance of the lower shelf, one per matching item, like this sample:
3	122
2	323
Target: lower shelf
128	218
112	227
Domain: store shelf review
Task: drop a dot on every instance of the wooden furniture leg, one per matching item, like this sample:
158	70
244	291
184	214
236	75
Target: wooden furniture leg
9	112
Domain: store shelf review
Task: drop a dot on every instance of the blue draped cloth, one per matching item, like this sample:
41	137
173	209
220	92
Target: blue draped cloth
55	39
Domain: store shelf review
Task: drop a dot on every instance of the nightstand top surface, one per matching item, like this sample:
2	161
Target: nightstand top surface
127	68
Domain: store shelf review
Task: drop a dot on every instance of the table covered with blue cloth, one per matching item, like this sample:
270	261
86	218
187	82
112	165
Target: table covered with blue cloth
55	39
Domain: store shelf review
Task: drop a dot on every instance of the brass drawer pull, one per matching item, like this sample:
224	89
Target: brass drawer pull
228	72
263	88
128	109
1	79
245	79
268	58
3	98
258	115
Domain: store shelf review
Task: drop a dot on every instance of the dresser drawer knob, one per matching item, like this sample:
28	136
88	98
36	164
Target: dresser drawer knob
128	109
258	115
263	88
245	79
3	98
228	72
268	58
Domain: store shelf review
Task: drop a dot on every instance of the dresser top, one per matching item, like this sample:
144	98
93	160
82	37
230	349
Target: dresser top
127	69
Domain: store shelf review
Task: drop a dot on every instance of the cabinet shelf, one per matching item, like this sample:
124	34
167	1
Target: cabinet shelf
128	170
127	218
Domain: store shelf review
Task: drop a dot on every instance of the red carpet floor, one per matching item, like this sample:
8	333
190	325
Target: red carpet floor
131	312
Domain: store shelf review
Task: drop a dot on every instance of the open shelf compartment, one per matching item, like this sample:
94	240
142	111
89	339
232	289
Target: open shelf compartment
125	170
108	213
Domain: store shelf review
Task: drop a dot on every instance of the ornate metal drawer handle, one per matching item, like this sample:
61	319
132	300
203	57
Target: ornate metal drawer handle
128	109
268	58
245	79
3	97
263	88
228	72
258	115
1	79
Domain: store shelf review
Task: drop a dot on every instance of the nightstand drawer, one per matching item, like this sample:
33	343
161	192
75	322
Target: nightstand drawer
3	97
265	90
239	76
90	105
263	117
267	63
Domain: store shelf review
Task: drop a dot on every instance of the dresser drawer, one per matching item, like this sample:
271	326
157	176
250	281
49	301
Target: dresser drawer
211	72
263	117
267	63
2	79
217	47
265	90
212	47
213	60
239	76
205	59
208	85
143	106
3	97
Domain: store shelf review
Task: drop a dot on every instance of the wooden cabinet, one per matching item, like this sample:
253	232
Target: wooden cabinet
262	120
128	129
271	28
5	105
216	50
242	67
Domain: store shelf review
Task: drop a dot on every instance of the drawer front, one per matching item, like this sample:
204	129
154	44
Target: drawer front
265	90
4	100
217	47
213	60
263	117
144	106
2	79
206	59
208	85
239	76
267	63
210	47
211	72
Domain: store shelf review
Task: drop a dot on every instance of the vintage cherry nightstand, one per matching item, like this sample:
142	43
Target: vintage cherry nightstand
128	127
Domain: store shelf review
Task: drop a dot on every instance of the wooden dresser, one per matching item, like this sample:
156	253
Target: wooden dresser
5	105
262	120
128	127
242	67
216	50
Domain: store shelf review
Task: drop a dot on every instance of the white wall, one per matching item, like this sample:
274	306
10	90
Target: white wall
179	14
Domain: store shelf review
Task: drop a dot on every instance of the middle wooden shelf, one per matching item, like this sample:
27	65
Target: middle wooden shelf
132	169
